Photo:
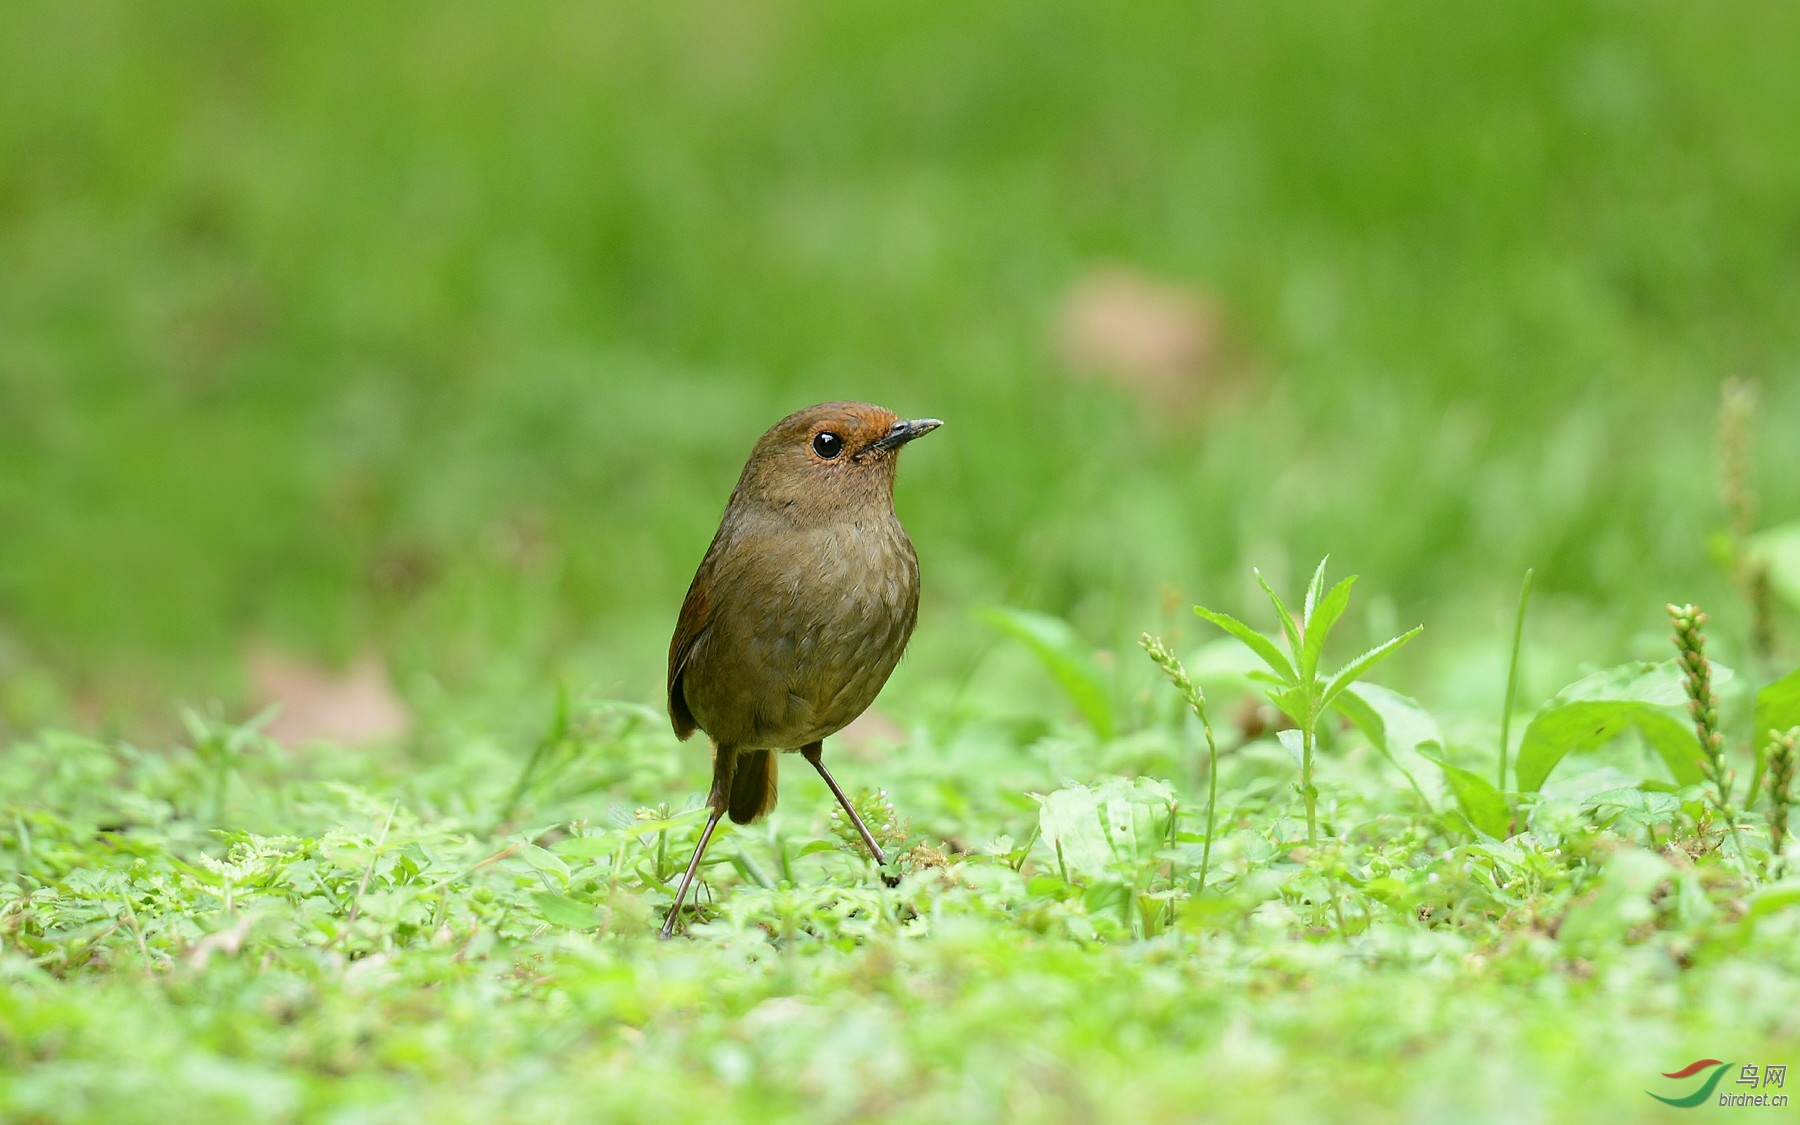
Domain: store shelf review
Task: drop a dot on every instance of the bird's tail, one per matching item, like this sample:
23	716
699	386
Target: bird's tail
753	789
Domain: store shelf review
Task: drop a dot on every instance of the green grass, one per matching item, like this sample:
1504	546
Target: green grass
443	332
231	930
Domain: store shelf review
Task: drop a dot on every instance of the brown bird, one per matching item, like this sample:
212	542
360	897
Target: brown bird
800	609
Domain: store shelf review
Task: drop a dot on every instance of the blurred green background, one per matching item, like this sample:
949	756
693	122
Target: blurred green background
441	331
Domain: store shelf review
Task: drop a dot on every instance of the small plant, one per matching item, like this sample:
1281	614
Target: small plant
1301	693
1784	749
1703	705
879	814
1196	701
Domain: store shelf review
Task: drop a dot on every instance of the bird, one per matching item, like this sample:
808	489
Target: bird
799	611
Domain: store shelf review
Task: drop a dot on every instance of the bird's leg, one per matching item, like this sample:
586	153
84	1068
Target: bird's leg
718	800
815	755
712	822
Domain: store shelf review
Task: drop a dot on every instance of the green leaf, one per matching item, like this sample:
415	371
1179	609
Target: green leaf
1778	549
1319	621
561	910
1597	709
1484	805
1561	728
1397	726
1674	741
1259	644
1313	590
1110	831
1294	742
1777	707
1063	654
541	860
1638	806
1356	669
1291	630
1292	701
1772	898
588	847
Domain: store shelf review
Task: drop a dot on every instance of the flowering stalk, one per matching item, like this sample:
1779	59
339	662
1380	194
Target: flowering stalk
1196	700
1703	705
1784	749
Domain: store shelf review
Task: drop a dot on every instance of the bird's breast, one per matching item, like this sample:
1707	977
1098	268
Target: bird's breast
843	591
812	624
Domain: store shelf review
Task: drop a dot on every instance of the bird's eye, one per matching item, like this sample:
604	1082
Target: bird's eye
827	444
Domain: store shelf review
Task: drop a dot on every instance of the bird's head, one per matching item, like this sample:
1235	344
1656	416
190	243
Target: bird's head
830	457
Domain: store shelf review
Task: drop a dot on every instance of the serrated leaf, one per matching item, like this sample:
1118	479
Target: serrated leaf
1063	654
1356	669
1319	621
1314	590
1598	708
1271	654
1288	627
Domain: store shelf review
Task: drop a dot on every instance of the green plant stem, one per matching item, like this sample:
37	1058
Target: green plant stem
1512	679
1306	785
1212	795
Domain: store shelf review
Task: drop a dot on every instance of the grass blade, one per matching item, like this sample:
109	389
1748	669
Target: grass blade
1063	654
1512	678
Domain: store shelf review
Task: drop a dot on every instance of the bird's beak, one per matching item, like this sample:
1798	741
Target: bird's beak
904	432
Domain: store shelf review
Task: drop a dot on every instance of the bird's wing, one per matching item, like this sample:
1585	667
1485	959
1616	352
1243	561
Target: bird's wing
690	627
